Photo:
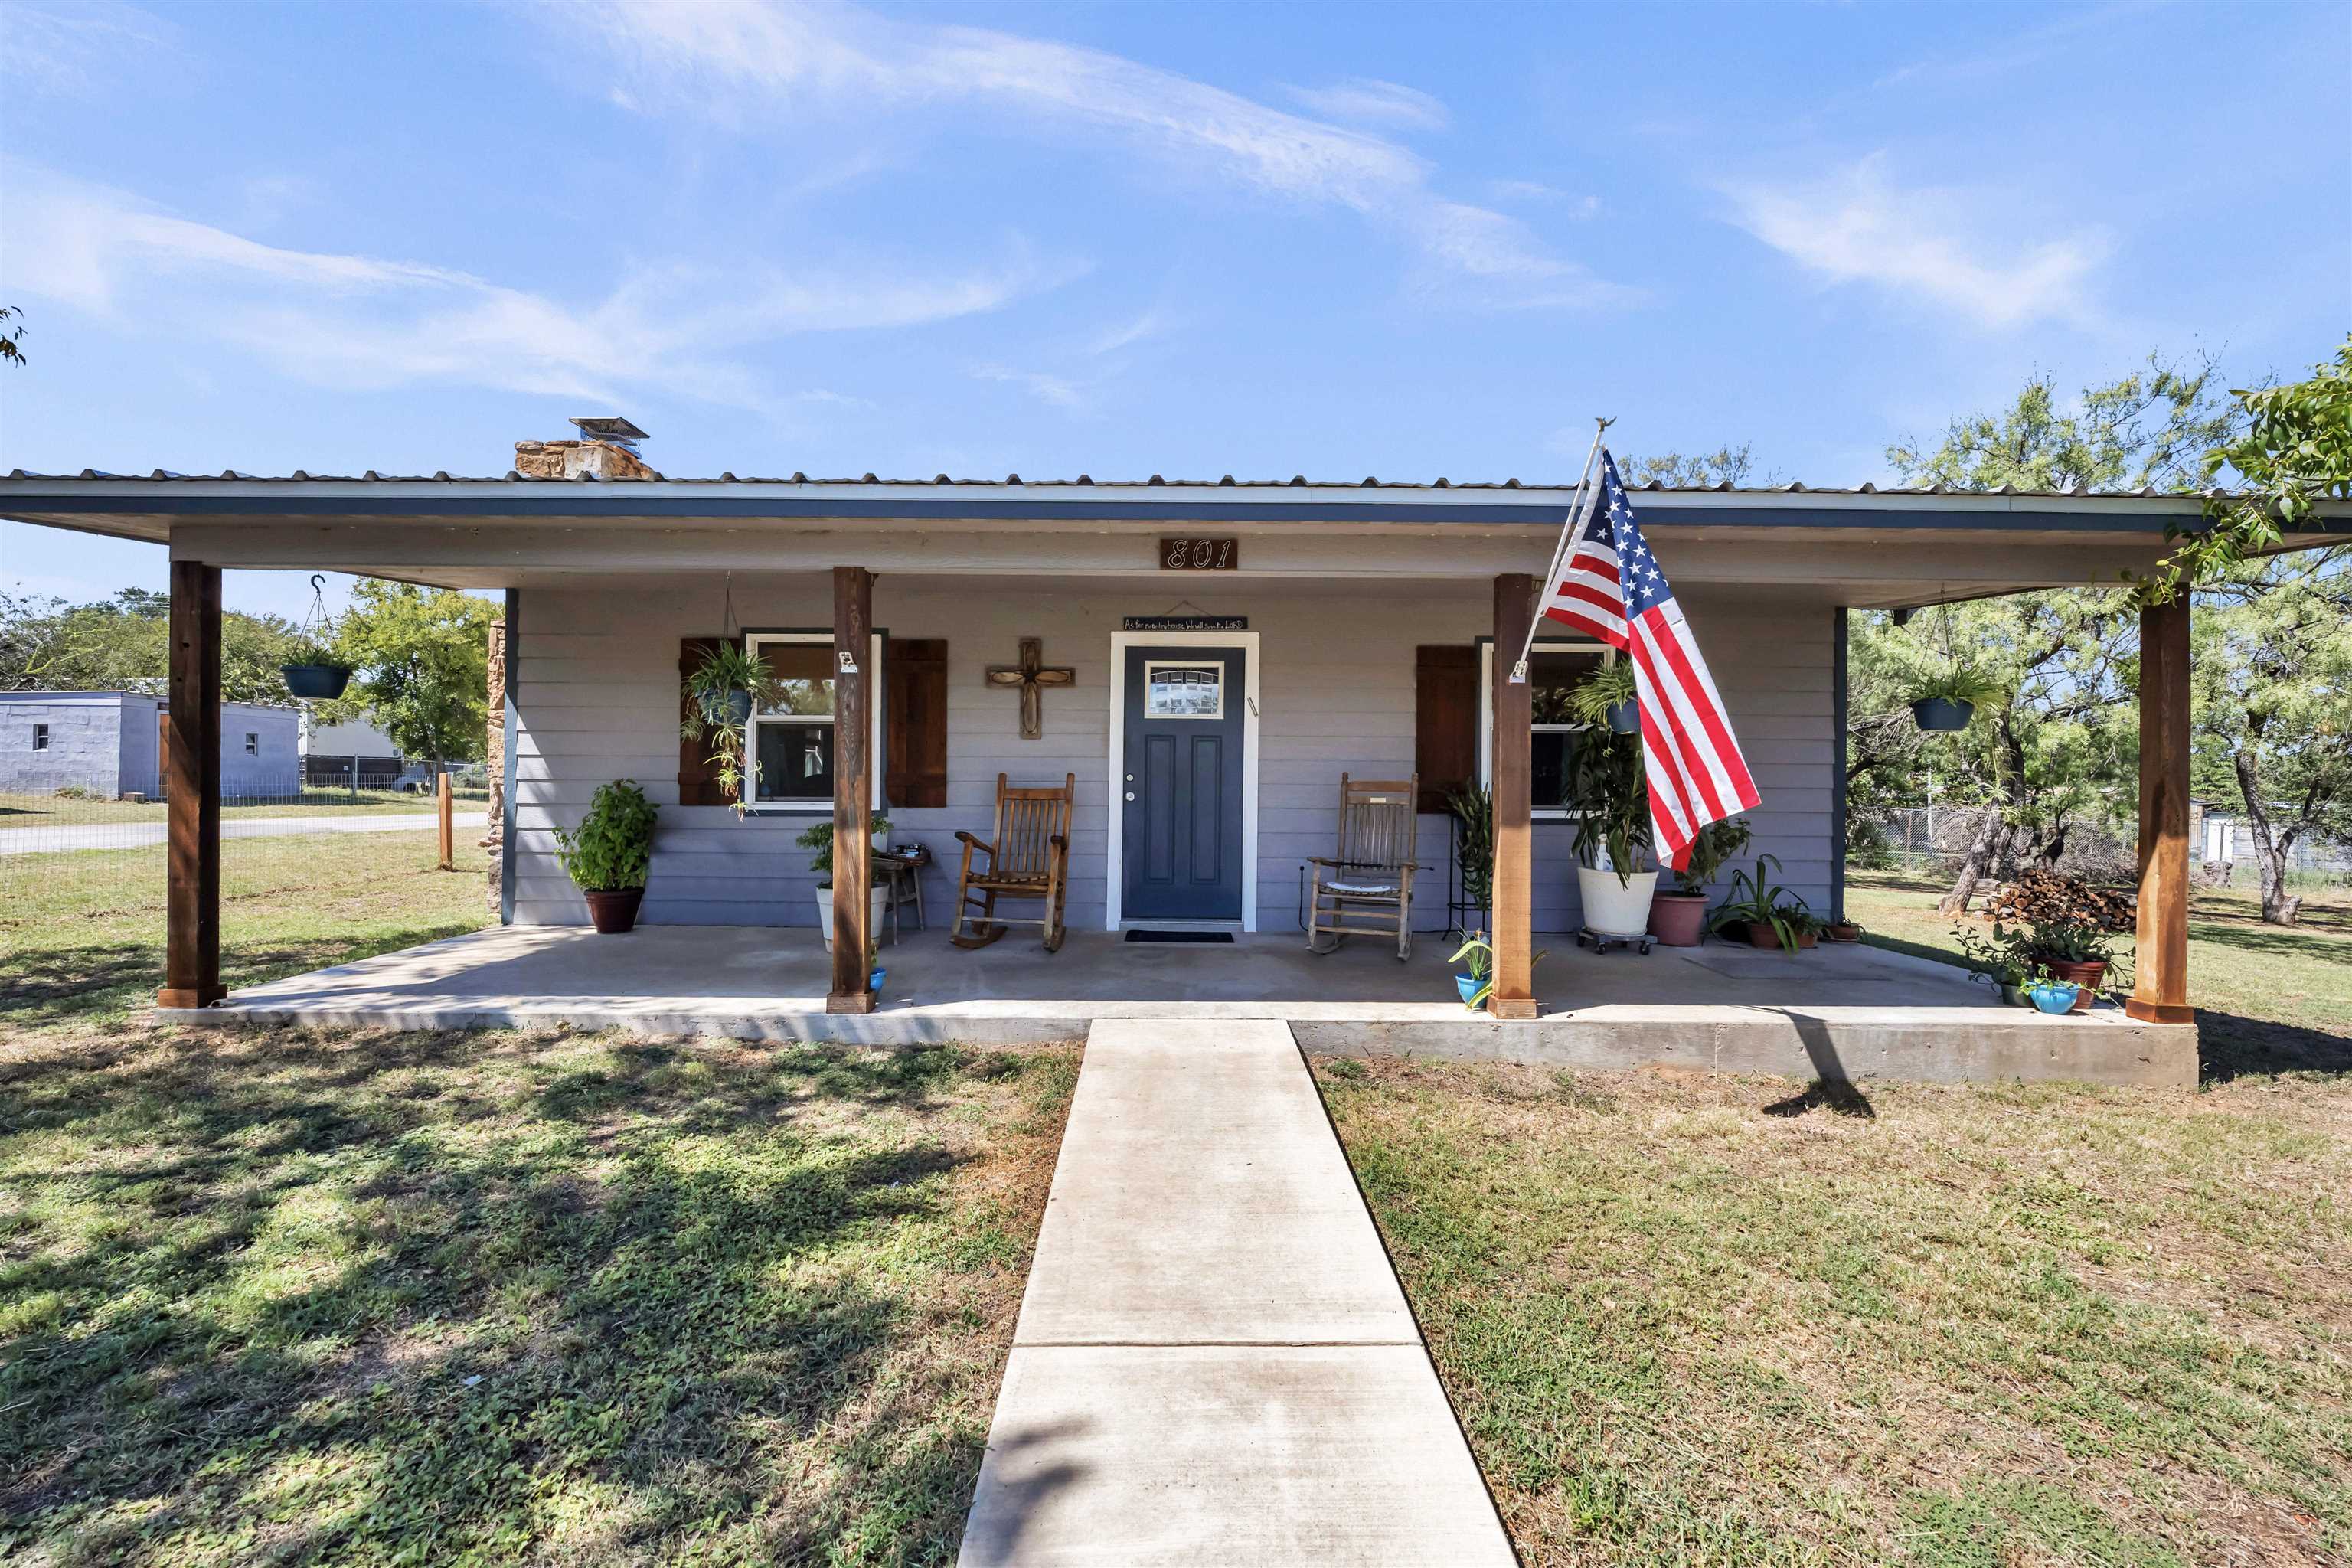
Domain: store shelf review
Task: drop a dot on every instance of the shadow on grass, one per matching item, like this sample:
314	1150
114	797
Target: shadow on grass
641	1285
50	985
2287	941
2230	1046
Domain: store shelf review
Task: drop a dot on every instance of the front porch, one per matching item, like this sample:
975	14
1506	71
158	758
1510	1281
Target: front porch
1838	1012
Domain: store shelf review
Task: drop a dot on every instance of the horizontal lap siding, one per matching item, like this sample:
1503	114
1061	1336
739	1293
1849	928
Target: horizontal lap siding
1335	694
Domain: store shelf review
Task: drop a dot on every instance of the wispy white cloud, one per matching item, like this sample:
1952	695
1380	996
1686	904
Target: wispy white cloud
1366	100
772	61
1150	324
1946	246
1053	391
360	321
66	50
1537	191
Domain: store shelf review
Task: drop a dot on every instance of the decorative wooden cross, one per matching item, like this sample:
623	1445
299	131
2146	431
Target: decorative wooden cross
1030	674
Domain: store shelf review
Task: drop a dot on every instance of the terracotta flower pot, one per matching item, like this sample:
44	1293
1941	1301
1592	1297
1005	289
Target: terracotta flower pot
1845	932
2085	973
1761	935
614	912
1677	920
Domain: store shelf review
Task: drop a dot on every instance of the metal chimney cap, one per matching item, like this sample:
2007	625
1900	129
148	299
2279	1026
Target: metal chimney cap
610	428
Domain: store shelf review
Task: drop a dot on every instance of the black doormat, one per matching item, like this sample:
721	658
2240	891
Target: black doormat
1223	936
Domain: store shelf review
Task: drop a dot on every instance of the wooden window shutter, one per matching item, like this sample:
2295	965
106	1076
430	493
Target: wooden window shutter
698	775
1445	721
915	708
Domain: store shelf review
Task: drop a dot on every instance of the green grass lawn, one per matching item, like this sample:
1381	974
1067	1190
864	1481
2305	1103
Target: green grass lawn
1945	1327
278	1296
81	934
18	810
2269	998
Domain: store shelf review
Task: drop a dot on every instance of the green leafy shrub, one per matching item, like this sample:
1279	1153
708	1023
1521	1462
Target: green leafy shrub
819	837
1473	809
1755	900
1608	687
1715	843
1955	683
614	849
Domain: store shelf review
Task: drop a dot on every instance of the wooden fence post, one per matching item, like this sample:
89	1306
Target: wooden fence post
448	803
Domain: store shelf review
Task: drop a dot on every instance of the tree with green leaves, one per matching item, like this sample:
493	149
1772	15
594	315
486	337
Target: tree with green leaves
1724	466
421	658
12	339
2053	744
125	644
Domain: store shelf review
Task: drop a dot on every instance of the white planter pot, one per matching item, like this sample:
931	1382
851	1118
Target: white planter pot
1614	908
879	900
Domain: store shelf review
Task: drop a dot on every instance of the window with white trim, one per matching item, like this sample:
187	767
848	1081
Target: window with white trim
1553	668
790	738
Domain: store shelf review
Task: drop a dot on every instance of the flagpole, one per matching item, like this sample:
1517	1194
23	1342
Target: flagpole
1570	536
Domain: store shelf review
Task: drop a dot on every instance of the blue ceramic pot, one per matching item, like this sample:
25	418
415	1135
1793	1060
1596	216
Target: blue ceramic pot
874	980
2053	995
1942	713
1626	718
1469	986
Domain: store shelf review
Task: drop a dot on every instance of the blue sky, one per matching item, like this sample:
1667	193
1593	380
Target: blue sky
1124	240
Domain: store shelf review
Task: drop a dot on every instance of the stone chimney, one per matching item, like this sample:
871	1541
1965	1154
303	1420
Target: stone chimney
607	450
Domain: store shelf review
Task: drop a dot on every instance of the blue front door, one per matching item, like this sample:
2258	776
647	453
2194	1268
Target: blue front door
1181	855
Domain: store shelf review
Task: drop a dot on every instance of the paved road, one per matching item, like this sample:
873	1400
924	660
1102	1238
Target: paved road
137	834
1215	1363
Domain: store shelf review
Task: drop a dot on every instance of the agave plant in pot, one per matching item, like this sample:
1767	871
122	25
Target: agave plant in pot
611	853
1767	913
1678	915
819	837
1612	835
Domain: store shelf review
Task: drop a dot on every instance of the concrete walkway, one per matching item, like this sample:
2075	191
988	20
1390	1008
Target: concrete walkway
1215	1362
141	835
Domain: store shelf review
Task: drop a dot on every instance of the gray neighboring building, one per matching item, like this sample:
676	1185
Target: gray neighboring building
106	742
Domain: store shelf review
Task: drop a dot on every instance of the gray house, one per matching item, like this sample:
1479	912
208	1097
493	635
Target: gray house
107	743
1307	630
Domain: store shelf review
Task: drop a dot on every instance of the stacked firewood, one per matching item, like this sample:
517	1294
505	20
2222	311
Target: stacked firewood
2038	897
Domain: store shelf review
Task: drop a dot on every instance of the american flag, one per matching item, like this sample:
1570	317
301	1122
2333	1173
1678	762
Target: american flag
1611	587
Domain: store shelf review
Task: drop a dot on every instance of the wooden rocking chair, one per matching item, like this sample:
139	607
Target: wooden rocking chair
1369	880
1028	857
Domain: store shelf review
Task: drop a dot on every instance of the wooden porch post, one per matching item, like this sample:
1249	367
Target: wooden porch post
192	788
1514	934
852	786
2160	992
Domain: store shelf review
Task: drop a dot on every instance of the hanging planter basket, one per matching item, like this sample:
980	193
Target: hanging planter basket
732	712
1941	713
316	682
1625	719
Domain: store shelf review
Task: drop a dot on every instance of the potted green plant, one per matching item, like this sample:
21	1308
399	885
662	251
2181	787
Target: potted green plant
2075	950
1609	699
1678	915
311	670
1612	835
721	693
1947	700
875	972
611	853
1472	811
1476	982
819	837
1767	913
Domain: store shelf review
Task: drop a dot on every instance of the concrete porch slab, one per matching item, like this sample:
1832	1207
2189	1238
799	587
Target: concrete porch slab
1837	1011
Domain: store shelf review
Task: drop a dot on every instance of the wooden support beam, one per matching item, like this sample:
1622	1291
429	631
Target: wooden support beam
852	786
2160	988
191	790
1514	934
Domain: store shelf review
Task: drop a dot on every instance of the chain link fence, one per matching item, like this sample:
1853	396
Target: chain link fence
1932	841
304	850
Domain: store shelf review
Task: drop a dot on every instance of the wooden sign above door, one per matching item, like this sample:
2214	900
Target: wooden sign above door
1194	554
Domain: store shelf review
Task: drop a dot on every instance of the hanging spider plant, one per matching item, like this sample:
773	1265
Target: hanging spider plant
721	694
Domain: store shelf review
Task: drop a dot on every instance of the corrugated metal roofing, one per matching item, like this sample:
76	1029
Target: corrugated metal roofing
1298	482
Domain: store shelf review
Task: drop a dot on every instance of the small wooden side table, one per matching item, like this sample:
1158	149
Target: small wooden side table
904	874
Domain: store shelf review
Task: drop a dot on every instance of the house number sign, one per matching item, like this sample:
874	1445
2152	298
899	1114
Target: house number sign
1200	555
